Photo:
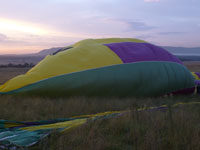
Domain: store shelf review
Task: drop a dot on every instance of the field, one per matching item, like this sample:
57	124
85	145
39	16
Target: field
172	128
19	59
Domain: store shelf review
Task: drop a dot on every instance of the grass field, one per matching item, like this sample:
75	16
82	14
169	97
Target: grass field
173	128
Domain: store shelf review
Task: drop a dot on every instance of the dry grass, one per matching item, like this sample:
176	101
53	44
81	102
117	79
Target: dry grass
37	108
193	65
10	72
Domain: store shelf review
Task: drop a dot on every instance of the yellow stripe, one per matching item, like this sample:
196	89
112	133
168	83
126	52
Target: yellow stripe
195	76
11	124
66	124
70	124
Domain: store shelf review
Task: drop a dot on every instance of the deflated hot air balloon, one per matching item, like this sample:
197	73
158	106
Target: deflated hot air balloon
104	67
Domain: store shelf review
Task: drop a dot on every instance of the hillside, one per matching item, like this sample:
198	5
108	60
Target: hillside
194	51
184	54
33	58
46	52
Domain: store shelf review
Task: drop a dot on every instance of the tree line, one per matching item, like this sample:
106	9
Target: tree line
30	65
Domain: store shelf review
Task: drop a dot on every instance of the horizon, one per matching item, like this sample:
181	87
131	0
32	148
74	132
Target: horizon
31	26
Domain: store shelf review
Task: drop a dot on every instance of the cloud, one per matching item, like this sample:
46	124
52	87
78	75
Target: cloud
139	26
128	25
2	37
151	0
170	33
144	37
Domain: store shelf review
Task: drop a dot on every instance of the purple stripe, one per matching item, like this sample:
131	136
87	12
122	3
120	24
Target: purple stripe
186	91
197	82
198	74
135	52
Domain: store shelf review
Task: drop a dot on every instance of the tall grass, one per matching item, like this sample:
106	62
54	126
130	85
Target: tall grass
38	108
173	128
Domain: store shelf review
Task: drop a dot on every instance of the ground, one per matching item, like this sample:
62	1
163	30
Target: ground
172	128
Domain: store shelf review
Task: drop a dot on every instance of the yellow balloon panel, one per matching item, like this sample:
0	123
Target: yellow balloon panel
72	60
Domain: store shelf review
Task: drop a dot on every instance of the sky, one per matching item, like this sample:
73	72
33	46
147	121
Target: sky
28	26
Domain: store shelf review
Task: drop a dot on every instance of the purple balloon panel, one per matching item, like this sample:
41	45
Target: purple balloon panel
184	91
197	82
198	74
136	52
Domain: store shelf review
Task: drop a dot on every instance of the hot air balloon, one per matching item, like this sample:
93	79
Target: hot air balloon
104	67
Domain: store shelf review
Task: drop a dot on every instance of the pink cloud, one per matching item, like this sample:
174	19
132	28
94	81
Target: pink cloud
152	0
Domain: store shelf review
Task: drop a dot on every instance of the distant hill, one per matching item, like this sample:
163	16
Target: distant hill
46	52
184	54
183	50
188	58
174	50
27	58
33	58
19	59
